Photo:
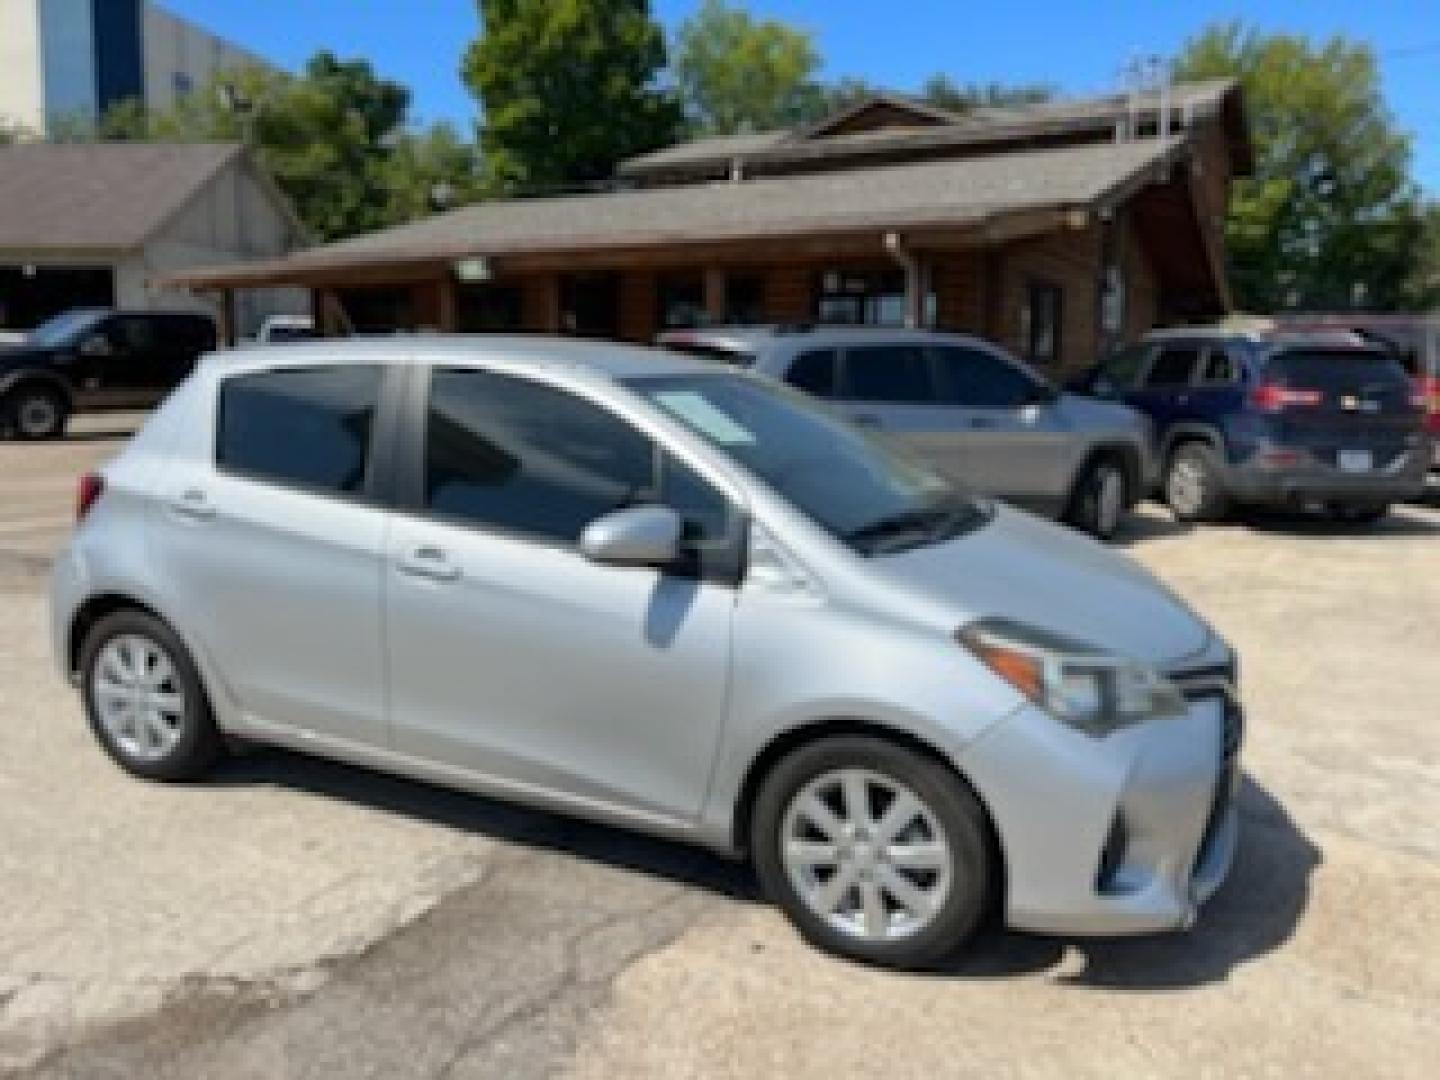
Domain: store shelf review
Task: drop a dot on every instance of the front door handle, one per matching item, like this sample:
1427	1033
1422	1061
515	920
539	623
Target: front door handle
430	563
983	422
193	503
869	420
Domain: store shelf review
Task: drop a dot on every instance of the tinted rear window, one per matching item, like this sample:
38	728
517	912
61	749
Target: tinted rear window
306	428
1337	371
889	373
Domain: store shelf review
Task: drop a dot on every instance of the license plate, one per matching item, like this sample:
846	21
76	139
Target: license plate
1356	461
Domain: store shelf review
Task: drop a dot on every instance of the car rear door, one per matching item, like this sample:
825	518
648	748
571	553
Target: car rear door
270	538
513	655
1016	443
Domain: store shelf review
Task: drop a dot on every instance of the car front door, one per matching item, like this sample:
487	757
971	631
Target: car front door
1163	390
272	537
1016	443
514	656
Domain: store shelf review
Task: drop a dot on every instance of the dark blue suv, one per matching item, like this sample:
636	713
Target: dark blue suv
1321	420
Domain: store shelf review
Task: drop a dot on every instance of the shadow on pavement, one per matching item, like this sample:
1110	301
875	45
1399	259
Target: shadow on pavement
1254	913
510	823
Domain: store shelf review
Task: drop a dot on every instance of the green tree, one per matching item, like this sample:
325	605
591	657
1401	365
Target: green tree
568	89
1331	217
944	93
335	138
737	73
11	131
1424	285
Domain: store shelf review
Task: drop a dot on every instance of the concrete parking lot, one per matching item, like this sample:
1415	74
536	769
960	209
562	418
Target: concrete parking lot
295	918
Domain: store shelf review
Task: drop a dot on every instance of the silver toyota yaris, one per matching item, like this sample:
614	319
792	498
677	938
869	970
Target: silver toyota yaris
621	584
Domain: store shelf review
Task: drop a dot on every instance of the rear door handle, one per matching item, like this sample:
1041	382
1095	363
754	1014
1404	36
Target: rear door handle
867	420
982	422
430	563
193	503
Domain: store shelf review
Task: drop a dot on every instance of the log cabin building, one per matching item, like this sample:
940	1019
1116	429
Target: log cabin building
1058	229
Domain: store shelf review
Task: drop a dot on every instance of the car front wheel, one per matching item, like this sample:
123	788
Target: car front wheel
874	851
144	699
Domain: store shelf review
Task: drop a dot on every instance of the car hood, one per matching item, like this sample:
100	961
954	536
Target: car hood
1021	568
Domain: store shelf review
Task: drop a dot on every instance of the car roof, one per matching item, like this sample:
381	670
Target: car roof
806	336
610	360
1337	337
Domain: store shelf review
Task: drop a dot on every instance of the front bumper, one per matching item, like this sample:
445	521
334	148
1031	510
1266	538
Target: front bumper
1122	835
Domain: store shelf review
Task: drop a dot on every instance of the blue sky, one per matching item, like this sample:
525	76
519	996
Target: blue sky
1079	47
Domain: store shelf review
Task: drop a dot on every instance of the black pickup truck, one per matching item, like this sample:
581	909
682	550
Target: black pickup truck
96	360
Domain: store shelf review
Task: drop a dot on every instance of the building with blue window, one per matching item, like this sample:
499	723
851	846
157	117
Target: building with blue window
68	59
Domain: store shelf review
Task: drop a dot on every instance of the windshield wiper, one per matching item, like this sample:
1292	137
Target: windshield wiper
923	524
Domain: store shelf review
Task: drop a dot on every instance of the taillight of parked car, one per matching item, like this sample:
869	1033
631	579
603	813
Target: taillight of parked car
88	492
1272	397
1427	400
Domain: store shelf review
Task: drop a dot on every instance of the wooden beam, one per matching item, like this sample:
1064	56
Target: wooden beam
715	294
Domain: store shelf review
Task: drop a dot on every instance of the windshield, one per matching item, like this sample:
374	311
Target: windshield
65	327
1340	371
872	498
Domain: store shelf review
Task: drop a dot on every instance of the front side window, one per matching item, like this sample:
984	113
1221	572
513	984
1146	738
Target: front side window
976	379
1174	366
859	489
814	372
307	428
1120	372
888	373
520	457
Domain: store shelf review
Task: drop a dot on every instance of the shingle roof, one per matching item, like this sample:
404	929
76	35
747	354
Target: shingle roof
99	196
931	194
982	125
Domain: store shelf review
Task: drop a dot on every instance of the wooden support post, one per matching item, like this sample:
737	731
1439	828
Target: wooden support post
227	332
715	295
449	305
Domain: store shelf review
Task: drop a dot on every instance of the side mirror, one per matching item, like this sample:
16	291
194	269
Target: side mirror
96	345
638	536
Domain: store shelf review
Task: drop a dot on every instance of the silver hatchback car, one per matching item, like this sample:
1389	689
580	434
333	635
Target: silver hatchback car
966	406
667	595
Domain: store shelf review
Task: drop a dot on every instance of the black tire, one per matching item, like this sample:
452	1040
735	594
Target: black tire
963	823
1095	507
197	741
1194	483
35	411
1362	514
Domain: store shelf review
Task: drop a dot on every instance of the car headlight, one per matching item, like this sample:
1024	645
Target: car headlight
1089	689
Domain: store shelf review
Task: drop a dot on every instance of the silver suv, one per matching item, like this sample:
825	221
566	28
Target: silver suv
666	595
973	411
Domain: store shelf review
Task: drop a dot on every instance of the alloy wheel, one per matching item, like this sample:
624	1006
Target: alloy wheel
139	697
1185	487
866	854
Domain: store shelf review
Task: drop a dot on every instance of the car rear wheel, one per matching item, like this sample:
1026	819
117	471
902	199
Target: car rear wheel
1194	488
144	699
1098	503
36	412
874	851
